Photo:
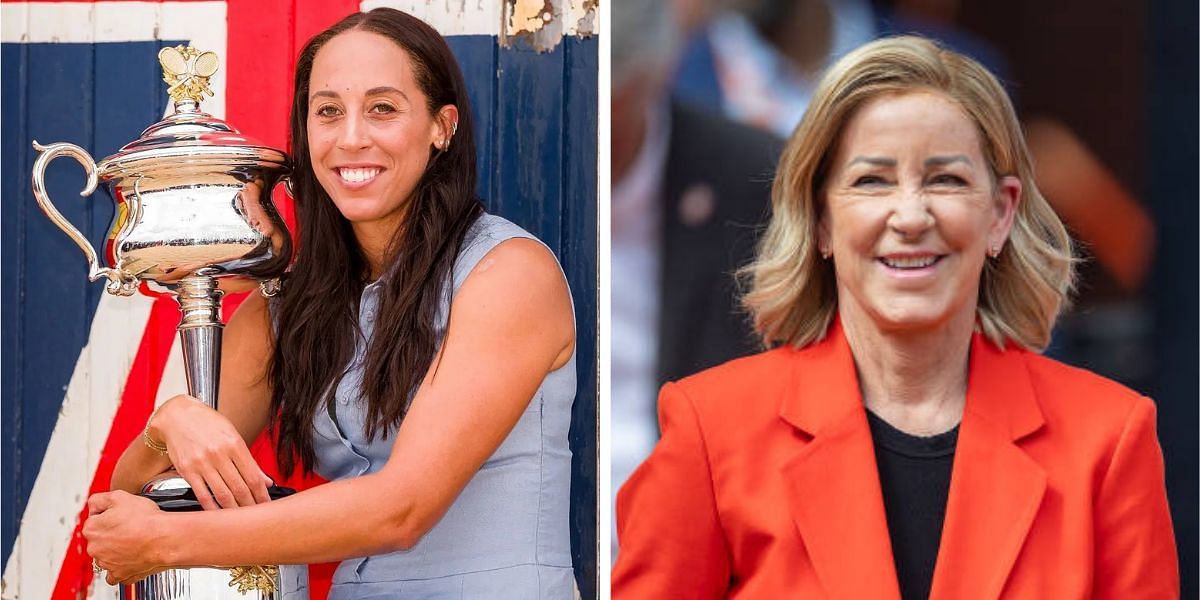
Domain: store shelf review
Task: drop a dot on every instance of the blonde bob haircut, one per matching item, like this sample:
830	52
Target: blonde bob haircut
792	291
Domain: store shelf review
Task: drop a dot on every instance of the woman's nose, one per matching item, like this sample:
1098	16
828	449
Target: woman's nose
910	217
353	134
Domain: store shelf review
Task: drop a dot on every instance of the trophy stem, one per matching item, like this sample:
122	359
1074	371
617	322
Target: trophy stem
200	333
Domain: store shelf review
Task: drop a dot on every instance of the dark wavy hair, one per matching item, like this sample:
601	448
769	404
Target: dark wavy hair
317	311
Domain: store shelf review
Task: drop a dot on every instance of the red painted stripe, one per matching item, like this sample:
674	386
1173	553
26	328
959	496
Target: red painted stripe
137	402
314	17
264	38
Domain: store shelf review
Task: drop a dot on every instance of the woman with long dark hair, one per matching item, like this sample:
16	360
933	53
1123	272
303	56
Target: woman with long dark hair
420	356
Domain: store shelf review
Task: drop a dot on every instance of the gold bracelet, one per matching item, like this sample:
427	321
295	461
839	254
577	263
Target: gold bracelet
158	447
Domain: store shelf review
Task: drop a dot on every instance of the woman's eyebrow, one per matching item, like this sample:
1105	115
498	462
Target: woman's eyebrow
386	89
941	161
875	161
375	91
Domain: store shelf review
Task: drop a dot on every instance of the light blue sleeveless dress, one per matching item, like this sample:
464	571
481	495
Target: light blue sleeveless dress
506	535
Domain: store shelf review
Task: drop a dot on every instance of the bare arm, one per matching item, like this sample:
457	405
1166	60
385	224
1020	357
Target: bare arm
209	449
510	324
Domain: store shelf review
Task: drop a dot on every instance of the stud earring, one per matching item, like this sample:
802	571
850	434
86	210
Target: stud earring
994	252
825	253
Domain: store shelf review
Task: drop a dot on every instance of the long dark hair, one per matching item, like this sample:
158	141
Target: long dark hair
317	311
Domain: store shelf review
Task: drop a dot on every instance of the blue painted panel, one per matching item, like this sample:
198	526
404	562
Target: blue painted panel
536	140
477	58
13	213
579	254
98	96
528	150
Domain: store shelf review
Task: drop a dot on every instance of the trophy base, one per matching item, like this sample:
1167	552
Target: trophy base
290	582
284	582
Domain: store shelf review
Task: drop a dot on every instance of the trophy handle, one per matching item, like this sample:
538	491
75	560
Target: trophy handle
119	283
270	287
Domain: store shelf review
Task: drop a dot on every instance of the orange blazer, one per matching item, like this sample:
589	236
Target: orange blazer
764	485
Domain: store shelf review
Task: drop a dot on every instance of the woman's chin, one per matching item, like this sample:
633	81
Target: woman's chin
359	210
911	317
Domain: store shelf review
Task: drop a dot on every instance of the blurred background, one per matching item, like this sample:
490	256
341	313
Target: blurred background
704	92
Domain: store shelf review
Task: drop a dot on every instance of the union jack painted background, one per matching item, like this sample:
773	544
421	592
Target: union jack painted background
82	371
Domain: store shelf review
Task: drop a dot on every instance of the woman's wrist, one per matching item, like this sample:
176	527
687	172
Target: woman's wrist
152	443
155	433
166	549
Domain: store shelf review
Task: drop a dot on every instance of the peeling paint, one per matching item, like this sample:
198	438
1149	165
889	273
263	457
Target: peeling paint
543	23
528	16
582	16
540	23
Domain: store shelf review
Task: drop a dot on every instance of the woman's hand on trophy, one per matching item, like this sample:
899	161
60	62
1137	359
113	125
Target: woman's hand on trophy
209	454
122	536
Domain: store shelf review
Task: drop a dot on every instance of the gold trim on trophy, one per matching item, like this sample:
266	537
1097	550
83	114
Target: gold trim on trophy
257	578
186	70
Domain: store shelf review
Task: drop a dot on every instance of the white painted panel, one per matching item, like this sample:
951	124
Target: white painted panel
14	22
83	22
174	379
87	413
460	17
582	17
504	18
203	24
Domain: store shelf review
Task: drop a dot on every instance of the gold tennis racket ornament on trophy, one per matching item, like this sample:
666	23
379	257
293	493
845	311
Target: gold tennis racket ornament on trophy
193	207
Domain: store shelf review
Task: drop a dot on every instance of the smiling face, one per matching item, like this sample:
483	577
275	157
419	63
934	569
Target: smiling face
370	131
911	212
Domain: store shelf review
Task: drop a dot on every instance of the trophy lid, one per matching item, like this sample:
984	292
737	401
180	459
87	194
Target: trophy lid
190	137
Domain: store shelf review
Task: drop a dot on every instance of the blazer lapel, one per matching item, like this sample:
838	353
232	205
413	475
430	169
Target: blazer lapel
834	494
995	488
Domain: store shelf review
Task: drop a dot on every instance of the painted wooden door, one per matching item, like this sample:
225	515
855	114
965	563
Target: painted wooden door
82	370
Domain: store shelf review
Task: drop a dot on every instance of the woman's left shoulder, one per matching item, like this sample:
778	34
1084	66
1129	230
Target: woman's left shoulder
524	259
521	268
490	230
1074	393
493	238
511	285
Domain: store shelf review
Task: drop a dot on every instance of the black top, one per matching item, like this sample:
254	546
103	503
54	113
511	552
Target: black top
914	473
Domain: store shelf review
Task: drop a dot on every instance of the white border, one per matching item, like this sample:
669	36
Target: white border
604	517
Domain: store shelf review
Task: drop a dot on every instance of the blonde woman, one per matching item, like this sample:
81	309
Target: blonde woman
903	439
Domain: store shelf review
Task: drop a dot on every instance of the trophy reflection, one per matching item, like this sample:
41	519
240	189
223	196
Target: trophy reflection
193	207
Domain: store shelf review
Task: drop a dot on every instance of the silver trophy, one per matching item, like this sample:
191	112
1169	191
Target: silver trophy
193	207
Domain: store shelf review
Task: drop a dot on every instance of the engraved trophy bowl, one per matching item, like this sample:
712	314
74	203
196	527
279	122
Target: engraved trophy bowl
193	207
